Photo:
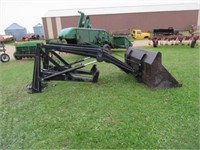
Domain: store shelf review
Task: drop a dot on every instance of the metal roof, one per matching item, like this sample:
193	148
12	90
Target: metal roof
38	25
123	9
14	26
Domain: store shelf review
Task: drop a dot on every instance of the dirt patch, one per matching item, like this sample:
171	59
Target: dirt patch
10	50
138	43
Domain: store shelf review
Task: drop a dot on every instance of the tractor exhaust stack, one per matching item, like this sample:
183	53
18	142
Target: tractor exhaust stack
150	69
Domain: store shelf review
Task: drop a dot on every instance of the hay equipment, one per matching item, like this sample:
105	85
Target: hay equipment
86	35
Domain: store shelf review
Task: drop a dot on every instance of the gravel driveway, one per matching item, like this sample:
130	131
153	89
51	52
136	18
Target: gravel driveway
139	43
11	49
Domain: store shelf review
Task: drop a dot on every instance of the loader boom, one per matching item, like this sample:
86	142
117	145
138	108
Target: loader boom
143	65
90	51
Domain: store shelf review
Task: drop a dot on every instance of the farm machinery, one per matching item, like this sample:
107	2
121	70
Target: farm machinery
144	65
85	34
94	45
173	37
25	50
3	57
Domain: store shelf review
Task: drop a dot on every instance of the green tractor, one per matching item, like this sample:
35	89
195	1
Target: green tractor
85	34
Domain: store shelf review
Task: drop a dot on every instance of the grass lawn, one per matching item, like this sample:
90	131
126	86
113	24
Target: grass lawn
115	113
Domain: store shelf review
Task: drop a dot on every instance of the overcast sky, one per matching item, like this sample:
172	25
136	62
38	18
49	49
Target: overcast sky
28	13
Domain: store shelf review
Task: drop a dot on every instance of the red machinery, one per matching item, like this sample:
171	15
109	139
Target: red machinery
171	37
175	40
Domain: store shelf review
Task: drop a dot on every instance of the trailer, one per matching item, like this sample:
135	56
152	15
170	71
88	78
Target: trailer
164	31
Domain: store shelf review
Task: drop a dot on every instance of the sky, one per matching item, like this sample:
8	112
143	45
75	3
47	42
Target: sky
28	13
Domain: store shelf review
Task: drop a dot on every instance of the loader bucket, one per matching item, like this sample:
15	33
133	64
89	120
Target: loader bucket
150	69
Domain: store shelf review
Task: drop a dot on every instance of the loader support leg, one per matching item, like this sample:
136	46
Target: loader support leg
36	85
47	68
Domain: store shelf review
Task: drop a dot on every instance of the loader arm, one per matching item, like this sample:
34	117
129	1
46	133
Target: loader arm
90	51
144	65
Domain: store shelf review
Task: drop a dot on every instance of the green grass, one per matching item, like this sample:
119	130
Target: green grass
115	113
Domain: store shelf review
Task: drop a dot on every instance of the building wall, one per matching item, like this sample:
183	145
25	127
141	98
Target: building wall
146	21
122	23
17	33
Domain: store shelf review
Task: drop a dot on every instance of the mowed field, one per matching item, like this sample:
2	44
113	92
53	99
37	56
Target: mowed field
115	113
